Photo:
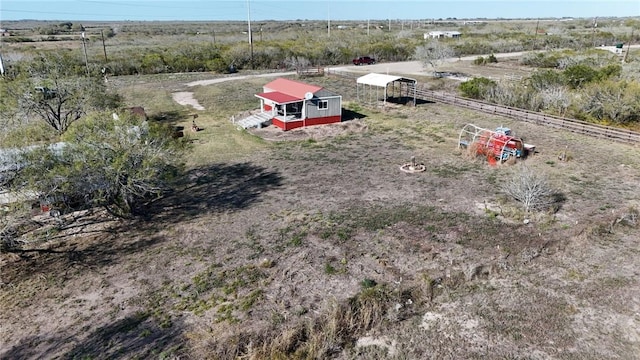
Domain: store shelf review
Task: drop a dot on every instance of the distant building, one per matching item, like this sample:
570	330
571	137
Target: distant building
4	32
442	34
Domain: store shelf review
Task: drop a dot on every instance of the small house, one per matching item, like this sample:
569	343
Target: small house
442	34
292	104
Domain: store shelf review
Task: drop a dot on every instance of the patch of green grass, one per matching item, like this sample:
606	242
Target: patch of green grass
225	313
451	170
248	301
329	269
574	178
296	239
208	279
222	288
344	233
368	283
291	236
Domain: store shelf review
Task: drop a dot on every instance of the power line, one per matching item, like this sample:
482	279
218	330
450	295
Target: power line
120	17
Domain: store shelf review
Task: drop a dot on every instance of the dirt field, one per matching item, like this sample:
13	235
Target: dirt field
317	243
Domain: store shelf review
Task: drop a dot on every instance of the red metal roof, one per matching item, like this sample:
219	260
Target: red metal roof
291	87
278	97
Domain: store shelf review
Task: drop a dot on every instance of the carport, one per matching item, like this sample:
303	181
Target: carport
370	87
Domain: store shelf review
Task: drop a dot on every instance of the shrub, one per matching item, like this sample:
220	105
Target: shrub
578	75
609	71
610	101
545	79
480	61
530	188
476	88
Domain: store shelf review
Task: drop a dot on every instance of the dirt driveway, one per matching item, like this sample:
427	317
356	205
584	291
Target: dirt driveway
417	68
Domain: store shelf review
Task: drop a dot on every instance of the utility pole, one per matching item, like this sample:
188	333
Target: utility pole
389	25
1	63
368	23
328	20
624	60
214	36
249	28
104	47
86	60
1	66
535	35
593	36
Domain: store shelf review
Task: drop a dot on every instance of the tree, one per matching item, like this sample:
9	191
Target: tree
433	54
117	163
54	94
297	62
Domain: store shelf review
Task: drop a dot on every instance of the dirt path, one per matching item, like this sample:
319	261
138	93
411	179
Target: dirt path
186	97
238	77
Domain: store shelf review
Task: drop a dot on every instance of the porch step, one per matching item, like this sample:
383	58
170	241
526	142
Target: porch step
255	120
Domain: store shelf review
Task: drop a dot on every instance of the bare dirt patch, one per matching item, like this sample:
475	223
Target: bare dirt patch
274	133
186	98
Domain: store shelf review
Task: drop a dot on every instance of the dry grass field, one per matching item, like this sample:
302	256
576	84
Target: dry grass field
313	244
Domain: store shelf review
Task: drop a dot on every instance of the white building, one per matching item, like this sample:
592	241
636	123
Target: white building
442	34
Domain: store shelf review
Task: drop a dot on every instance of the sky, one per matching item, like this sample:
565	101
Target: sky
212	10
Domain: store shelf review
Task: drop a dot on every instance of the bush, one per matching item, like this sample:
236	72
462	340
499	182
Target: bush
118	164
578	75
609	71
610	101
545	79
530	188
476	88
479	61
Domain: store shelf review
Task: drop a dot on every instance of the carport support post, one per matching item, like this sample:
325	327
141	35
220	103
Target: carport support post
415	86
384	102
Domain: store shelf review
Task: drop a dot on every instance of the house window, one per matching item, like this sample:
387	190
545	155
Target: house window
323	105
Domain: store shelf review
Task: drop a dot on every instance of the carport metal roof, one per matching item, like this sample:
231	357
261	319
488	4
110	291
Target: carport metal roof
378	79
382	80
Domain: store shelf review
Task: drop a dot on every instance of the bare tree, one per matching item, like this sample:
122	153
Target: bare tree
297	62
530	188
433	54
